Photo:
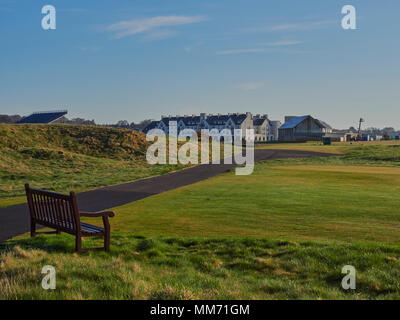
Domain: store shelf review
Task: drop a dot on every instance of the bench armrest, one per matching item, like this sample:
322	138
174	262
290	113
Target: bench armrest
97	214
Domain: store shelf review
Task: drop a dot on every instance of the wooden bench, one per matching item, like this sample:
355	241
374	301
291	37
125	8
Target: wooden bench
60	211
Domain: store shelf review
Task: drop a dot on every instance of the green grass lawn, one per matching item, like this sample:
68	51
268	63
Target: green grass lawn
283	232
359	149
281	199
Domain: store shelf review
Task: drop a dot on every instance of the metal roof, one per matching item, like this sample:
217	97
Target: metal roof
43	117
324	124
293	122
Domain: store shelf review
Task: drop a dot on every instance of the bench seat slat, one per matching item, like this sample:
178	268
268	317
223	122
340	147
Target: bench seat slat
88	228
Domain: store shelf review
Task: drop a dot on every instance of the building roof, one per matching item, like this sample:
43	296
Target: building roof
43	117
191	120
293	122
324	124
238	118
259	121
166	120
217	119
150	126
196	120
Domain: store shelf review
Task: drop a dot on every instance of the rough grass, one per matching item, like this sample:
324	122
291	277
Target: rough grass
198	268
65	157
284	232
50	141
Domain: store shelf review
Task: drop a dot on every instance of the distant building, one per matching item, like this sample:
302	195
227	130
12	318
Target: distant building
261	128
339	136
44	117
304	128
274	129
264	129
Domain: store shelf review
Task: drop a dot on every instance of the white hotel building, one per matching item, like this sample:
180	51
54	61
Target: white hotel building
264	129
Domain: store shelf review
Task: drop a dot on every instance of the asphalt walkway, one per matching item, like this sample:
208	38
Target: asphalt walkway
14	220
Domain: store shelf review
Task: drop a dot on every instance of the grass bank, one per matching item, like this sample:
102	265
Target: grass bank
66	157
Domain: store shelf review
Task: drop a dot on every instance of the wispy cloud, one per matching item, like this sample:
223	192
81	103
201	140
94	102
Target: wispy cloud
160	34
152	27
248	86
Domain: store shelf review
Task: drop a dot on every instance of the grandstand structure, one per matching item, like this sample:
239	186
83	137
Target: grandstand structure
44	117
304	128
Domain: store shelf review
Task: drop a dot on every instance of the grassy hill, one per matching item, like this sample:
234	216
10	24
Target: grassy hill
46	141
68	157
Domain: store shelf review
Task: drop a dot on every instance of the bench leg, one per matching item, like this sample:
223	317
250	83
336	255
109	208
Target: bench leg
78	244
107	234
107	241
33	228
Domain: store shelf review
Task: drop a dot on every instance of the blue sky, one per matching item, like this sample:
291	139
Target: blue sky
126	59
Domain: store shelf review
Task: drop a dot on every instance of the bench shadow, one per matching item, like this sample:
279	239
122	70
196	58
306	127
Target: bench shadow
59	244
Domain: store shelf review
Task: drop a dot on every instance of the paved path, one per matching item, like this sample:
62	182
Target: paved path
14	220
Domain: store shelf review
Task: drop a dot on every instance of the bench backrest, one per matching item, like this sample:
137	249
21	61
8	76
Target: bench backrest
54	210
